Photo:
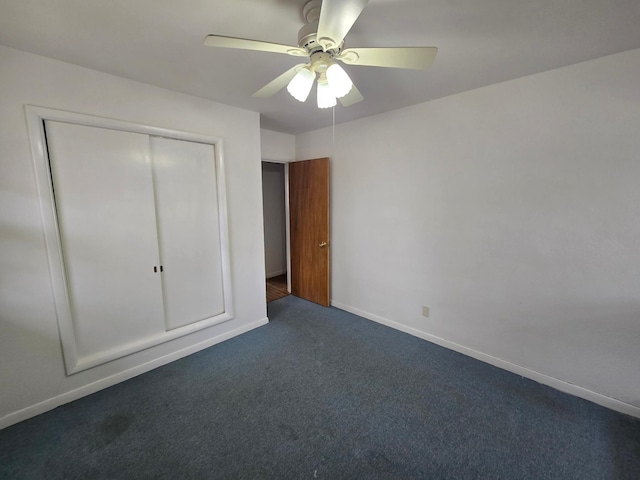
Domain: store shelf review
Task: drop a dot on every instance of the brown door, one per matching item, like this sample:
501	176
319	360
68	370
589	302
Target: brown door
309	229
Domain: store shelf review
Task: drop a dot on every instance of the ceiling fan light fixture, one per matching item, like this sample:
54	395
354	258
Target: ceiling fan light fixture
326	98
321	40
339	80
300	85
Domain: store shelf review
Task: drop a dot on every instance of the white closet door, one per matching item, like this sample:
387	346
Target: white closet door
103	188
189	231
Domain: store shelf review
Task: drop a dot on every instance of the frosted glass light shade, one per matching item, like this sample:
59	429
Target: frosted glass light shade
339	81
326	98
300	85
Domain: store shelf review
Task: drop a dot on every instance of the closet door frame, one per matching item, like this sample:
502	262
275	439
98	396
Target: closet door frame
36	116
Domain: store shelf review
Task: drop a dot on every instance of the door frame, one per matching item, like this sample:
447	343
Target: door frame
287	217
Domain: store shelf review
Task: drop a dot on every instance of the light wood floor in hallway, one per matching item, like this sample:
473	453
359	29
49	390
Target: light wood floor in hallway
276	288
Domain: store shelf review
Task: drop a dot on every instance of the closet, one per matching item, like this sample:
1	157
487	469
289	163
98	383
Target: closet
140	229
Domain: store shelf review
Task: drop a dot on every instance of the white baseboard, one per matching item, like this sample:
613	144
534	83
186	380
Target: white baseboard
85	390
561	385
276	274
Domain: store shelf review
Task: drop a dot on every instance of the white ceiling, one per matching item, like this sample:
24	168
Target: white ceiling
159	42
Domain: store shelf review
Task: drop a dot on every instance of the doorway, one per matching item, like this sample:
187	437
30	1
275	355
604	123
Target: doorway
274	195
296	229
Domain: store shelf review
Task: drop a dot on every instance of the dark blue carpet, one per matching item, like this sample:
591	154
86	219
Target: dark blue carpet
320	393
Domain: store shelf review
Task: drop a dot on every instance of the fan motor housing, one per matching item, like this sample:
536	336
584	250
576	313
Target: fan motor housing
307	35
307	39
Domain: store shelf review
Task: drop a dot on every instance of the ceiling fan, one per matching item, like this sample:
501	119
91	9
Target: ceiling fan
321	39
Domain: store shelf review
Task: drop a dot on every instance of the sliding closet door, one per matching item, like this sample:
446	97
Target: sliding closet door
103	190
189	231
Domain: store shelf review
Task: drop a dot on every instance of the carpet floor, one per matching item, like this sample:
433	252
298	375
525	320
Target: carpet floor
321	393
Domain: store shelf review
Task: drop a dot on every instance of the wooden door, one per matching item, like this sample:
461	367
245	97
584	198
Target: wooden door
309	229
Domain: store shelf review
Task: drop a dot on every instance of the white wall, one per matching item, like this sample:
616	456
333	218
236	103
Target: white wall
513	211
32	374
276	146
274	219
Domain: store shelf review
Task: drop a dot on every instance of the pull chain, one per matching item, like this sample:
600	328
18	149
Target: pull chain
333	128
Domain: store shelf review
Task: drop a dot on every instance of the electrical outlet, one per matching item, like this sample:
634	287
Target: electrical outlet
425	311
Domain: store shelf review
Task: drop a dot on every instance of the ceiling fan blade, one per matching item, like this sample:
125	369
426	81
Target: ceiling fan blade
245	44
419	58
274	86
354	96
336	19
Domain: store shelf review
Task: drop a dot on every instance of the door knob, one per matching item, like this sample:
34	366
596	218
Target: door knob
323	244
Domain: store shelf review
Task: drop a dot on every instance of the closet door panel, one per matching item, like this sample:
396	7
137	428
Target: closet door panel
188	230
103	190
